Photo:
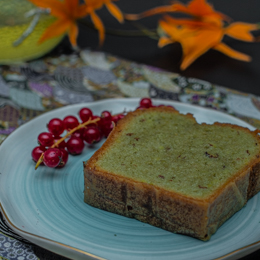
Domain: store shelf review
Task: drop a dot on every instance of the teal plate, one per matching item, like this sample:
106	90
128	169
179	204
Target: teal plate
46	206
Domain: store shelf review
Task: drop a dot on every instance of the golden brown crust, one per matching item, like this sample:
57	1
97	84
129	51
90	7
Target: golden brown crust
169	210
145	202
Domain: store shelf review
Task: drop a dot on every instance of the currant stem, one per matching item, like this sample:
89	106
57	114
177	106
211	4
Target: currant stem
39	161
65	136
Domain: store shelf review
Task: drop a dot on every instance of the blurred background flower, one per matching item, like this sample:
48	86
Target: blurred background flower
202	30
68	12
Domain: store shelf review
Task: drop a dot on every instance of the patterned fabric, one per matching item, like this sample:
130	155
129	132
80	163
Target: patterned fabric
11	248
30	89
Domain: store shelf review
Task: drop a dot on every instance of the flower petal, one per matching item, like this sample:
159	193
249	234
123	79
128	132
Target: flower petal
196	45
94	4
115	11
71	4
57	8
241	31
56	29
198	8
153	11
232	53
73	34
190	22
174	31
163	41
99	26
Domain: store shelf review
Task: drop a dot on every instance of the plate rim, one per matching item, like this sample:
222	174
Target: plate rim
37	239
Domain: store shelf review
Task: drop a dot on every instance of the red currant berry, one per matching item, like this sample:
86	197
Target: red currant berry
120	116
85	114
146	102
75	145
70	122
56	126
92	135
98	123
94	124
37	152
45	139
60	145
106	128
106	116
64	158
116	118
79	133
52	157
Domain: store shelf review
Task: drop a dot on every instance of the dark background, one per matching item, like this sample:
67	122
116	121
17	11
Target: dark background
213	66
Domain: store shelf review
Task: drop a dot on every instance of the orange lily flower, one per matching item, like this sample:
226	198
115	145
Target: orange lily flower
197	37
196	8
203	31
68	12
92	5
200	9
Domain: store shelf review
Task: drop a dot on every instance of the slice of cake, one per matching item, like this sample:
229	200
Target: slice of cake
163	168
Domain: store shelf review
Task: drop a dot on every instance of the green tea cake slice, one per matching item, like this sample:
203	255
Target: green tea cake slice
163	168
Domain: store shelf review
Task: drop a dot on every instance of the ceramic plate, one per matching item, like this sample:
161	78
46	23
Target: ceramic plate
46	206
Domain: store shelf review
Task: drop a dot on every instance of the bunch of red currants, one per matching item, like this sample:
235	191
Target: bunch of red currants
54	149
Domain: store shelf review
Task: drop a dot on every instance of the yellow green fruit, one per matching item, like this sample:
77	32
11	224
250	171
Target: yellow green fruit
13	23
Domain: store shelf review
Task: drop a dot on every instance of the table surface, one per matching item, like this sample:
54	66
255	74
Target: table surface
212	66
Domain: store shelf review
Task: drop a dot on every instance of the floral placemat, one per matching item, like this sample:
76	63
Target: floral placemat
32	88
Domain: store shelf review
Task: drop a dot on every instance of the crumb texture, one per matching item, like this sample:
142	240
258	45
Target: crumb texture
165	169
174	152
